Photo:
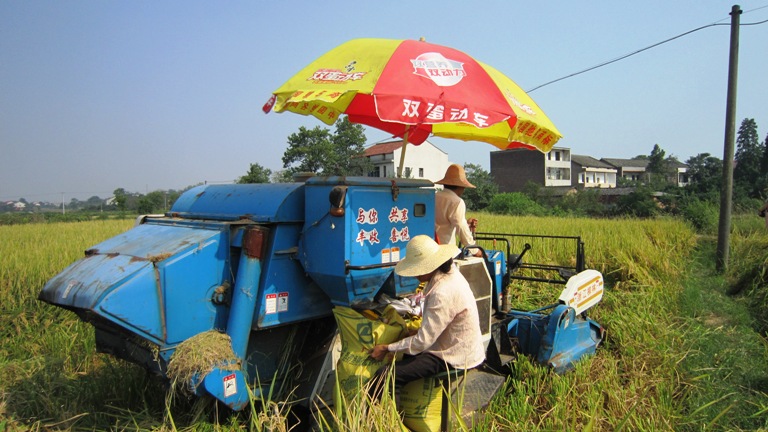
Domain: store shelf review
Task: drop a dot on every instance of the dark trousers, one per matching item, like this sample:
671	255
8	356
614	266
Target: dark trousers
410	368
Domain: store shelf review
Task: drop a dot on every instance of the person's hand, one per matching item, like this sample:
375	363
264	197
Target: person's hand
379	352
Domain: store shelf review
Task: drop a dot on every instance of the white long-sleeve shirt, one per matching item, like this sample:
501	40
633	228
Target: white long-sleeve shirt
450	216
450	326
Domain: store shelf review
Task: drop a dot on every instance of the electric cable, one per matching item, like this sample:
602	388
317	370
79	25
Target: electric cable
645	49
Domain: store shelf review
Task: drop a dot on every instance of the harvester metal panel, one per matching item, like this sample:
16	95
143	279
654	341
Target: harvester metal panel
351	255
155	280
266	203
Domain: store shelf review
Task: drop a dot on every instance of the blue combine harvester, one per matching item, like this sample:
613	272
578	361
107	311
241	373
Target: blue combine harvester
265	264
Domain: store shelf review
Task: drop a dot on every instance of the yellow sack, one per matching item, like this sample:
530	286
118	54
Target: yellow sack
421	402
358	335
392	316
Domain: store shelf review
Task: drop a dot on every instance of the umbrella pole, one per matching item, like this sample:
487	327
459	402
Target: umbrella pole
402	154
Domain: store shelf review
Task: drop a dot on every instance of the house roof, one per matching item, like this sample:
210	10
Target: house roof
391	146
589	161
383	148
677	164
640	163
624	163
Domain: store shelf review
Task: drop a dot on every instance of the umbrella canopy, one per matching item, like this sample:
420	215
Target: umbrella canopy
414	89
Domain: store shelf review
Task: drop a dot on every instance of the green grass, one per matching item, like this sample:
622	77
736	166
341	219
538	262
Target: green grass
725	361
680	353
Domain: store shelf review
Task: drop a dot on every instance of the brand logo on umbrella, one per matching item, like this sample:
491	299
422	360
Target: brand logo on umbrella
335	76
442	71
520	105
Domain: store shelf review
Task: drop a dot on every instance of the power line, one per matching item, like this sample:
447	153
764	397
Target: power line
644	49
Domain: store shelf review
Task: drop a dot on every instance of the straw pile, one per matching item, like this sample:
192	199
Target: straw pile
198	355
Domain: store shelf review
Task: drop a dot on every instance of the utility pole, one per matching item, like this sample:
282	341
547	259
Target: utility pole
726	193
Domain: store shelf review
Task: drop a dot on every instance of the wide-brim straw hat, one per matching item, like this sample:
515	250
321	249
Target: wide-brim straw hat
455	176
423	255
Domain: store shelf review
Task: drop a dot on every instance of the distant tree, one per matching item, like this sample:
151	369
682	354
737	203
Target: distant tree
256	174
153	202
318	151
639	203
657	164
282	176
74	204
705	173
585	202
94	201
349	144
764	160
515	203
308	150
121	199
485	188
747	176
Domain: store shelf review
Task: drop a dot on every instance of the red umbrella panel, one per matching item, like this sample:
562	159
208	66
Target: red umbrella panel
414	89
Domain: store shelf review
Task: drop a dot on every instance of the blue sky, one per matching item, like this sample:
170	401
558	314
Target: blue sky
144	95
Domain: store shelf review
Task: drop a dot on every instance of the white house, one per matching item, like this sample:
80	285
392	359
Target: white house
592	173
423	161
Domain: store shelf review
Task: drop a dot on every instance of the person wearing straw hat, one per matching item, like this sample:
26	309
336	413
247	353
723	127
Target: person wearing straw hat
450	209
450	335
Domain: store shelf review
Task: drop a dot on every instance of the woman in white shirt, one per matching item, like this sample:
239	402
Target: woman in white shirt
449	336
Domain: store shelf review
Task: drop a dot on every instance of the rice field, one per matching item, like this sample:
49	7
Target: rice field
648	375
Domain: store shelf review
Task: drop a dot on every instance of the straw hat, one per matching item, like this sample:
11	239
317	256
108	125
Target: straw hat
455	176
423	255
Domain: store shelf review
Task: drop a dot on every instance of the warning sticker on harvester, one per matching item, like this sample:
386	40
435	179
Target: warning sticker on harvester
390	255
395	254
230	385
282	302
271	304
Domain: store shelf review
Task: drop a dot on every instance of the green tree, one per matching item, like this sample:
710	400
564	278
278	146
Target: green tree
515	203
282	176
318	151
585	202
349	144
639	203
256	174
485	188
657	168
121	199
705	173
747	176
94	203
153	202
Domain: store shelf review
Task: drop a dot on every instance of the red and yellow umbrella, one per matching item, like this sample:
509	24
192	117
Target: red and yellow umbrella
414	89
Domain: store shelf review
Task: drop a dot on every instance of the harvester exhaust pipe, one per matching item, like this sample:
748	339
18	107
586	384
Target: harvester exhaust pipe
244	296
228	386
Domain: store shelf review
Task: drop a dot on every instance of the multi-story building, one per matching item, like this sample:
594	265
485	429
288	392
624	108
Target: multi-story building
513	169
